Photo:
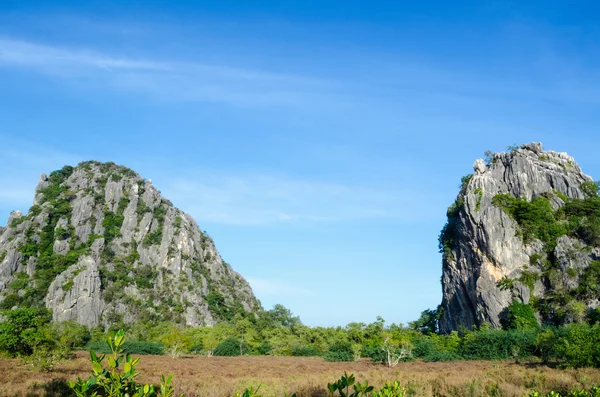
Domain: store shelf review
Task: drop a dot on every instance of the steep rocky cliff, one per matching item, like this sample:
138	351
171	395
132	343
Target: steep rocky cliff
525	226
101	245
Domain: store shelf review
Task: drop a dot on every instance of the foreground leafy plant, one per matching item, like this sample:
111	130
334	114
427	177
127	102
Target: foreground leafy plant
342	386
592	392
116	382
249	392
391	390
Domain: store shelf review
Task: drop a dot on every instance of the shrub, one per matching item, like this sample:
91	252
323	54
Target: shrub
535	218
264	349
10	301
152	238
20	281
423	347
71	334
391	389
579	345
339	351
520	316
305	351
338	356
23	330
497	344
62	234
197	348
447	236
44	358
376	354
229	348
129	347
117	382
545	344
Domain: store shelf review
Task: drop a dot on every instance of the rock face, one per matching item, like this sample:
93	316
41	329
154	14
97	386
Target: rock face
101	245
488	262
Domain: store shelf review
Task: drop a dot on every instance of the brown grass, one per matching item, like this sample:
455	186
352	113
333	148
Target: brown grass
308	377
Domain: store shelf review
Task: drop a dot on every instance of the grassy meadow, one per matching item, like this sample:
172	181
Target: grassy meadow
308	376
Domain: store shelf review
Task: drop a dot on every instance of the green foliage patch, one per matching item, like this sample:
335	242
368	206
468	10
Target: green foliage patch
130	347
230	347
535	218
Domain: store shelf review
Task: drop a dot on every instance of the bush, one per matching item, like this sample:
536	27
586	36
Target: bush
423	347
545	344
520	316
44	358
197	348
535	218
497	344
264	349
129	347
229	348
10	301
23	330
305	351
376	354
579	345
339	351
70	334
338	356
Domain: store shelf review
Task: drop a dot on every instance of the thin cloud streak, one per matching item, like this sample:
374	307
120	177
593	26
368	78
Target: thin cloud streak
271	200
167	81
237	199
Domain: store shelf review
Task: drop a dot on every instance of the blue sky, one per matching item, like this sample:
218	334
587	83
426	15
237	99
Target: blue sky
318	142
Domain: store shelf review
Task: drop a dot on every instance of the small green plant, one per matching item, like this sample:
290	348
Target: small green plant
116	381
391	390
513	148
479	193
45	358
506	284
249	392
342	387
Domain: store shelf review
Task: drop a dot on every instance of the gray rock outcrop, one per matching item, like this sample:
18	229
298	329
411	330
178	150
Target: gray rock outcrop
101	245
482	244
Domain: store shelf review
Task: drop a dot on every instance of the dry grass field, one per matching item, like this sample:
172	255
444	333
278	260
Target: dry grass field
279	376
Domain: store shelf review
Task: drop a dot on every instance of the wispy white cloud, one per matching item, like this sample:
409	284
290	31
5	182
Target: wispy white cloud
233	198
163	80
58	60
274	287
254	199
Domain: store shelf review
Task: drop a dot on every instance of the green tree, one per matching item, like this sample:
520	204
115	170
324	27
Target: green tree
24	330
279	316
428	322
520	316
176	341
71	334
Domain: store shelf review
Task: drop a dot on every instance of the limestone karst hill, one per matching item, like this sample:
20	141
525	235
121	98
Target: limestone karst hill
525	226
101	245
